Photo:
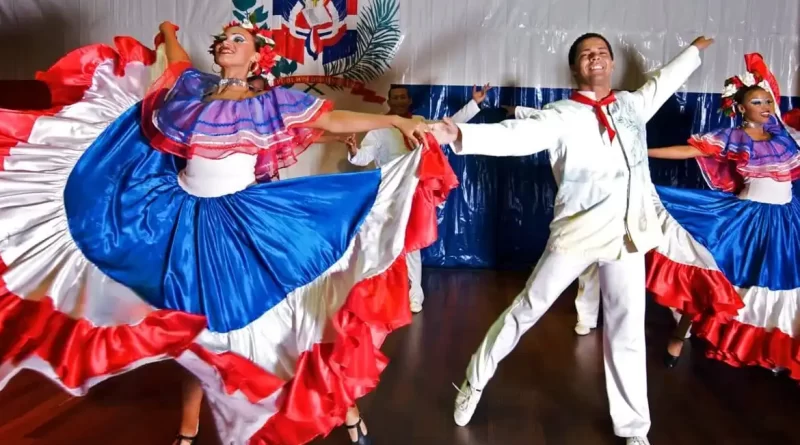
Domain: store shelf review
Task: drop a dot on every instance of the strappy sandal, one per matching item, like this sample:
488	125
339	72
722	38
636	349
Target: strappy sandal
363	439
670	361
182	439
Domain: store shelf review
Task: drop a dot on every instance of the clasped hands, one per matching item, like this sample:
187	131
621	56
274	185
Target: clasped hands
445	131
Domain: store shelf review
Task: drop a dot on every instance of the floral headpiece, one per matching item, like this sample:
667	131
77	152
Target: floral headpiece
262	38
757	75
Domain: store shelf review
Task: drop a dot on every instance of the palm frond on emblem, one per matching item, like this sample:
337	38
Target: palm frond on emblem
378	40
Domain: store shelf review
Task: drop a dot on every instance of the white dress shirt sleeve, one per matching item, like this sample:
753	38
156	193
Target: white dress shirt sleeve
524	112
367	151
666	81
542	130
465	114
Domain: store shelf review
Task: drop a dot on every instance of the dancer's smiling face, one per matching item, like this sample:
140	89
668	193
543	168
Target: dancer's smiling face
236	48
593	62
399	101
756	105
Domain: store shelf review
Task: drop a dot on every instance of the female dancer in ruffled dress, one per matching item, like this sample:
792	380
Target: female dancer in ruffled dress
730	262
133	232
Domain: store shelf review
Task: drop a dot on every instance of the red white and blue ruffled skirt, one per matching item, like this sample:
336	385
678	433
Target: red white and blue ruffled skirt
277	297
733	266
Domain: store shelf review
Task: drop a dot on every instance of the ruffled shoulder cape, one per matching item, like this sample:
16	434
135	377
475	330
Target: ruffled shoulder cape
733	155
179	119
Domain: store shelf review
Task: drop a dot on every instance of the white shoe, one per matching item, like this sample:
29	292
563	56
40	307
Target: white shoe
637	441
466	402
582	329
416	297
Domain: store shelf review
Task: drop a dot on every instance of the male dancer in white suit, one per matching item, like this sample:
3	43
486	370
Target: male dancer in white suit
384	146
604	215
587	299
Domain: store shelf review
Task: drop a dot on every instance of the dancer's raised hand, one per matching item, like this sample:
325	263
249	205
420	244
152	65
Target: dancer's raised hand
702	42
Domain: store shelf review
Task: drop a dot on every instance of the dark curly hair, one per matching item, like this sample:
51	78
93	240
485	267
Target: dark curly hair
573	50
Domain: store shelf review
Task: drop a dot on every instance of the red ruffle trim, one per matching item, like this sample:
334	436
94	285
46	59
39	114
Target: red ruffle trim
739	344
70	77
693	291
711	301
329	378
269	160
279	156
436	180
67	81
720	170
37	329
332	376
726	173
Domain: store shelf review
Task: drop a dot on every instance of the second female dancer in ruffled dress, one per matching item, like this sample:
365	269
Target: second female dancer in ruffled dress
730	262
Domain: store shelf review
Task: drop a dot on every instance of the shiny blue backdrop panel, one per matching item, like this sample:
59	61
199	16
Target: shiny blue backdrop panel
499	216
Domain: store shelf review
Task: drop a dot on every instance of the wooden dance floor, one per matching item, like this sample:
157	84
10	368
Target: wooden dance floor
550	390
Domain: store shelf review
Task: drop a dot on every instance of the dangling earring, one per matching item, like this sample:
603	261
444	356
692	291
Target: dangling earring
745	123
215	71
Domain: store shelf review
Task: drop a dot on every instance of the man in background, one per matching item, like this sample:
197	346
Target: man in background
385	145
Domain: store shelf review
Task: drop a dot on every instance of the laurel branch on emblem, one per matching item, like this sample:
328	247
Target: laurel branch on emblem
241	10
378	40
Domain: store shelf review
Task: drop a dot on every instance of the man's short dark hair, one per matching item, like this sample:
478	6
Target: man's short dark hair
573	50
397	87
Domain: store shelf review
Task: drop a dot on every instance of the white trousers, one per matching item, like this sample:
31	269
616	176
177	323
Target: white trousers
414	264
587	302
622	285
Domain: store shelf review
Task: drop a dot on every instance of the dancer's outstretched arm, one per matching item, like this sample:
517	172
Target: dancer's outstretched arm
339	121
542	130
666	81
676	152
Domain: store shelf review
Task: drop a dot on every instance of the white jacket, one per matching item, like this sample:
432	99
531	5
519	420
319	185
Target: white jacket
603	207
